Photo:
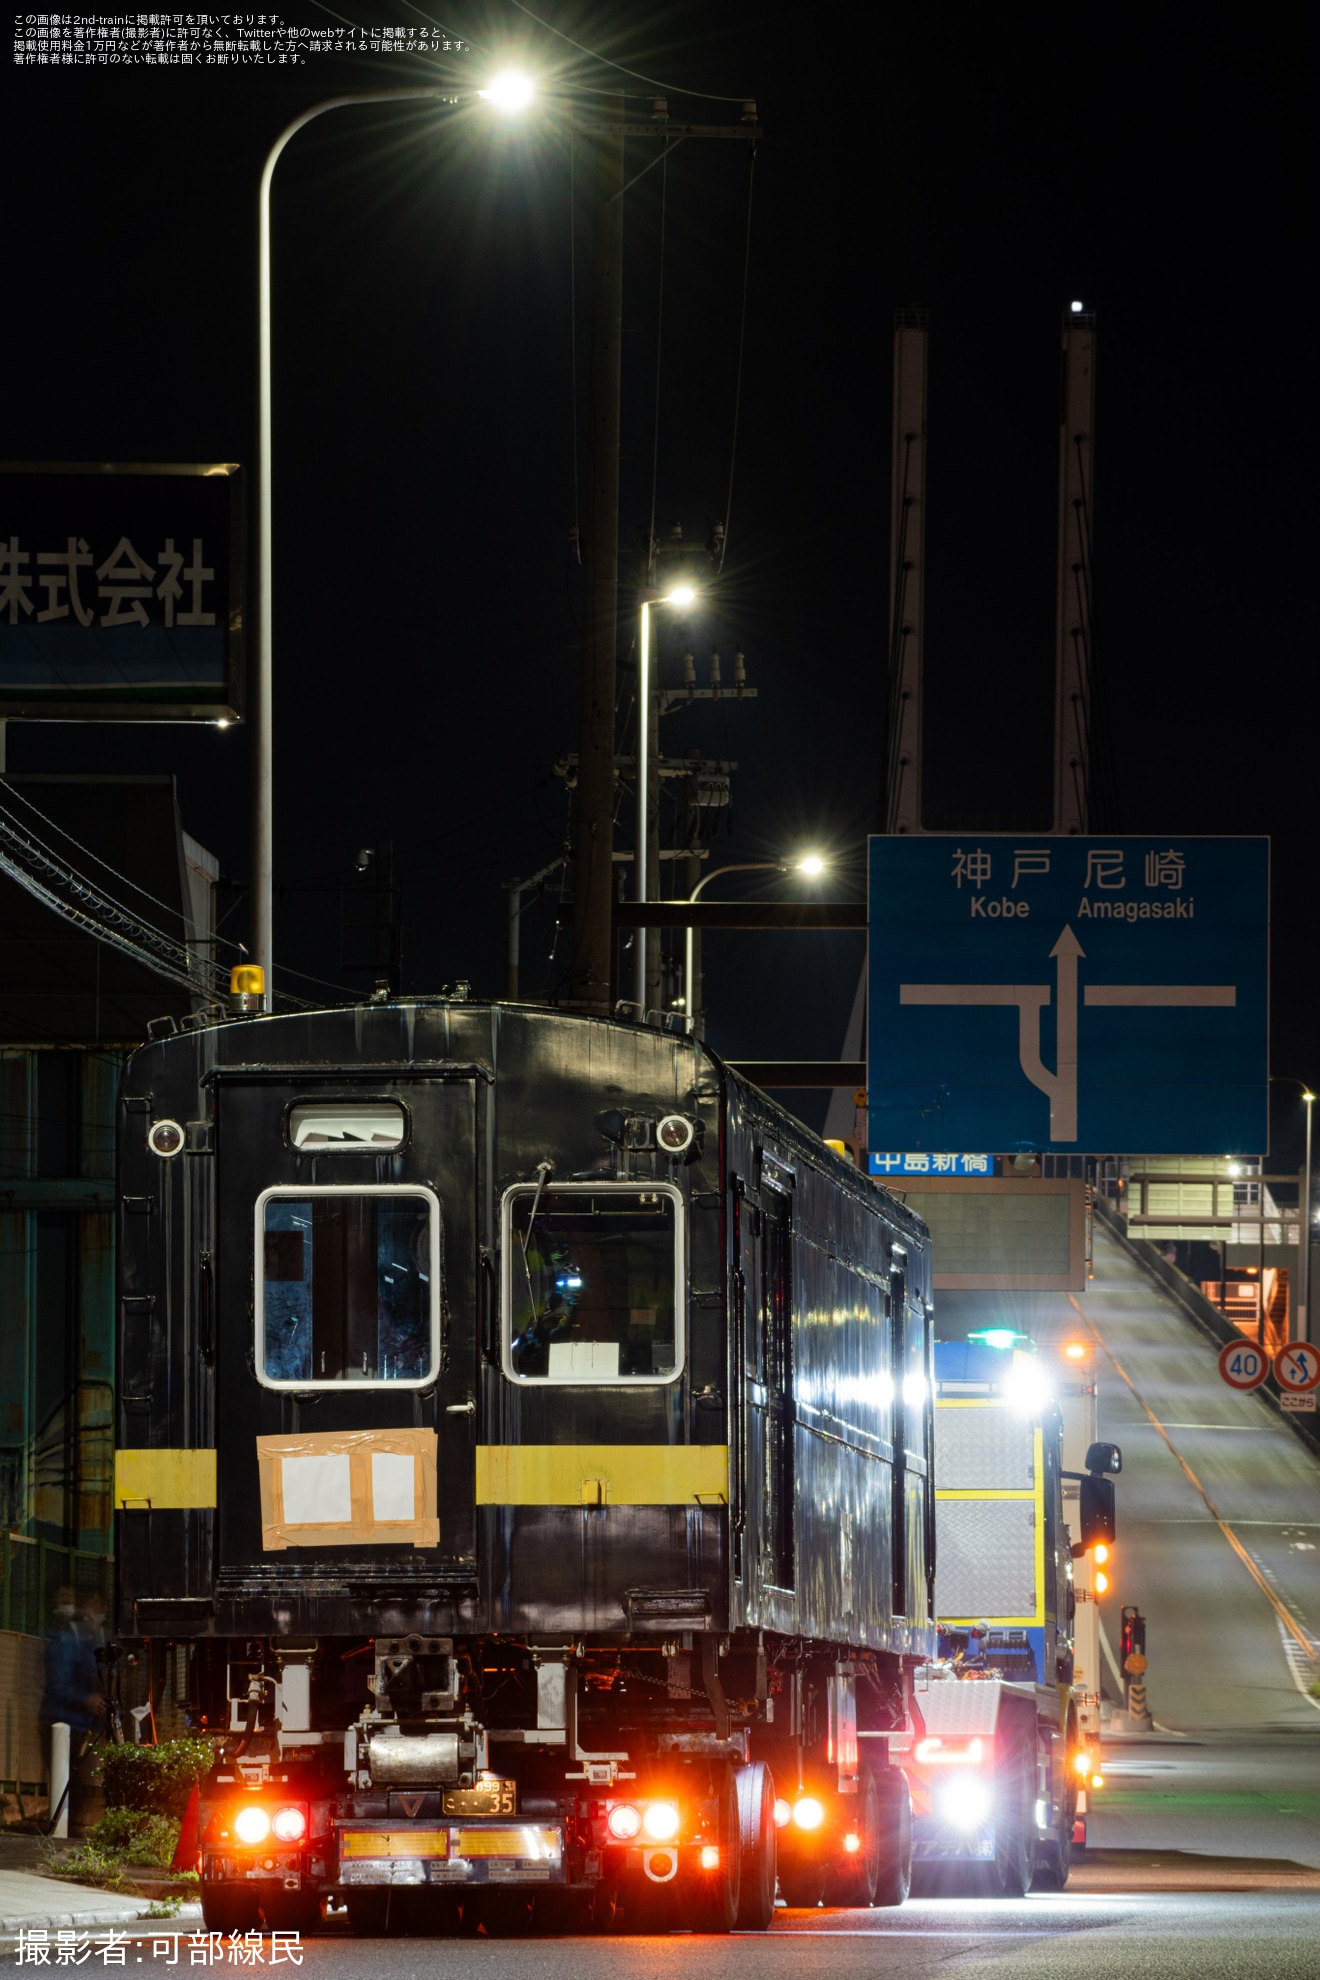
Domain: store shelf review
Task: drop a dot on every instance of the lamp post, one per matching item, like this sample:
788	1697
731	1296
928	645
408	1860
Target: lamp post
811	864
682	594
507	93
1304	1232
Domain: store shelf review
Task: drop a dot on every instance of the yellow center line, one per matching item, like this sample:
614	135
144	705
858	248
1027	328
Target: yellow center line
1284	1614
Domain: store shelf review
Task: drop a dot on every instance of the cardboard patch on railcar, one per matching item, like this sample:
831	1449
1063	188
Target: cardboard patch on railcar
354	1488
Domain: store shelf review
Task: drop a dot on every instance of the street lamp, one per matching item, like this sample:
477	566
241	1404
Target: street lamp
508	92
811	865
681	594
1304	1231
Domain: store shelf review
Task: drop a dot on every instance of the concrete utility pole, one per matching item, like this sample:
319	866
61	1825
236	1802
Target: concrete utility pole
1074	699
593	880
907	573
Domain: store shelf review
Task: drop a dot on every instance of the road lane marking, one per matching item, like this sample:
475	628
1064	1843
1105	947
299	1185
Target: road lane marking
1281	1610
1300	1675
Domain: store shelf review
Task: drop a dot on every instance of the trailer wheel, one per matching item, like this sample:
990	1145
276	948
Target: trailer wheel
715	1894
756	1812
228	1907
893	1881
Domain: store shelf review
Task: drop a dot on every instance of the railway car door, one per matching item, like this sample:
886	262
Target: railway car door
346	1291
779	1565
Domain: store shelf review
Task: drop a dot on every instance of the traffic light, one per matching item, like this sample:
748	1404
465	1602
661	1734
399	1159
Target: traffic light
1133	1637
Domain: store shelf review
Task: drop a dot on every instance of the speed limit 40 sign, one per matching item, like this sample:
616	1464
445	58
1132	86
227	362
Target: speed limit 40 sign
1243	1365
1297	1372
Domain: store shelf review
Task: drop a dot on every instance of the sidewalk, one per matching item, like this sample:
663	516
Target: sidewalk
29	1900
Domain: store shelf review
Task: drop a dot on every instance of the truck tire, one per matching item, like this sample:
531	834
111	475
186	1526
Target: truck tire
893	1880
715	1894
756	1815
850	1881
1011	1873
1056	1850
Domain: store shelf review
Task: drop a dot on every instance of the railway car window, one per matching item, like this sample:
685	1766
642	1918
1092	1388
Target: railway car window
346	1287
592	1284
321	1126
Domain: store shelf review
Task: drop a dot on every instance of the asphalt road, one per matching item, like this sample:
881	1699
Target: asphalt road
1271	1934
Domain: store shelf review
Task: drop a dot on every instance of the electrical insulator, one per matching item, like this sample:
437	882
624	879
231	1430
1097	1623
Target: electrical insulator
689	670
715	672
739	670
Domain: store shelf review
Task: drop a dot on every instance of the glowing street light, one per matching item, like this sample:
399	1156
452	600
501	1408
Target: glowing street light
812	866
508	92
681	595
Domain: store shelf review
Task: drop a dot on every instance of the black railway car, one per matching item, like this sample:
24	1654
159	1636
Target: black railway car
526	1426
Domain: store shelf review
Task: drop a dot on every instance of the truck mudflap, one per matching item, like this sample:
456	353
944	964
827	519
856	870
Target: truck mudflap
449	1852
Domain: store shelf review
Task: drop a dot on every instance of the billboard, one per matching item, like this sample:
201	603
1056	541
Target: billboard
121	592
1070	995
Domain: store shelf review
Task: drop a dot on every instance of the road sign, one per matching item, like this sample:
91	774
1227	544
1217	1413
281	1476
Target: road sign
1070	995
1293	1404
1297	1368
1243	1365
929	1165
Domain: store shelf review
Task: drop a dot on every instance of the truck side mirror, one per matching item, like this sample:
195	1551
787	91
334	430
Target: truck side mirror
1097	1511
1104	1457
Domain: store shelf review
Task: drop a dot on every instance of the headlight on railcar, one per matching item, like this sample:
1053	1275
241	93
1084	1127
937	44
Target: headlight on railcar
290	1824
808	1812
662	1821
623	1821
252	1824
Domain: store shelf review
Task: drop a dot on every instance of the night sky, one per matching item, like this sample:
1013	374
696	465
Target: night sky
987	165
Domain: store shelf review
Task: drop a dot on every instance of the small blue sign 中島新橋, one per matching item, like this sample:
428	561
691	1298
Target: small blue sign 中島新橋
1067	994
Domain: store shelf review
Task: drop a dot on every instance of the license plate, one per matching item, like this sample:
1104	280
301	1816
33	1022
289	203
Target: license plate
491	1798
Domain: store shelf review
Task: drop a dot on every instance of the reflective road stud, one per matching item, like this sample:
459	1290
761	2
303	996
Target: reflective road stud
1242	1365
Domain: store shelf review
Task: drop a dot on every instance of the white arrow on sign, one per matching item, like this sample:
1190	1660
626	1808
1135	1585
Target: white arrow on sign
1060	1086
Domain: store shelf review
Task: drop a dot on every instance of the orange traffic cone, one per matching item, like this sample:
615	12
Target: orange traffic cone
187	1855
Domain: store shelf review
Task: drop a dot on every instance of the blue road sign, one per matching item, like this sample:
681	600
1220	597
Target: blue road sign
929	1165
1090	996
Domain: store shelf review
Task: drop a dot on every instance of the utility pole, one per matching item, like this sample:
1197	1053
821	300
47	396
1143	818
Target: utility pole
1075	753
907	573
593	879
